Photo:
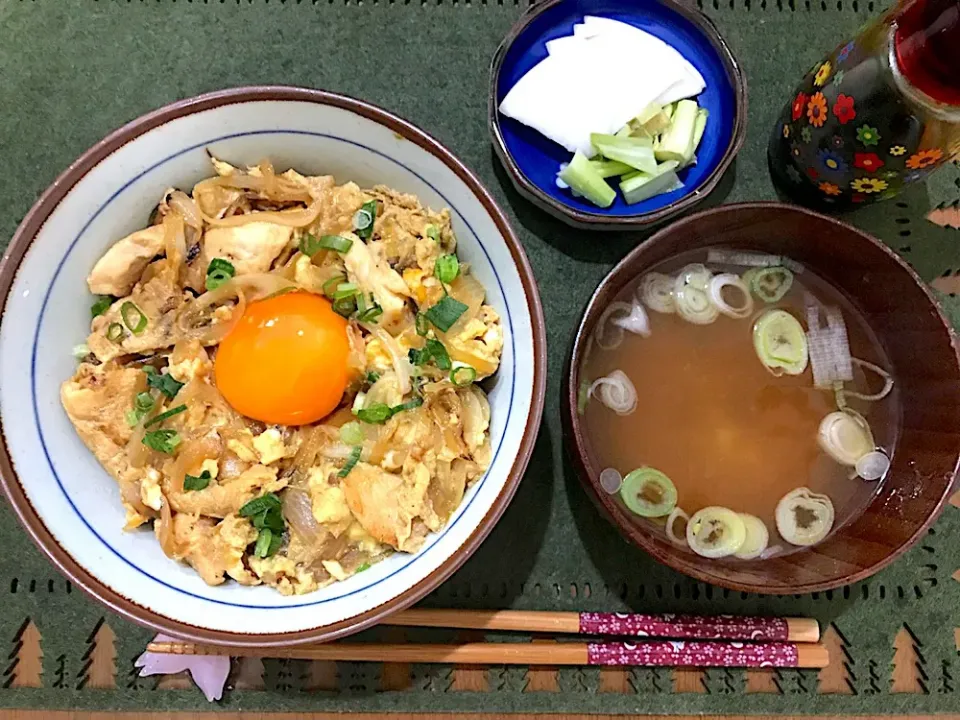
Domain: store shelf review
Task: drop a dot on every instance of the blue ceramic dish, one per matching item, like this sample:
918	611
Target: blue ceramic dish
532	161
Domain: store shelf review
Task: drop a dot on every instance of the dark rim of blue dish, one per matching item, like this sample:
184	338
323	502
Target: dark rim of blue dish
600	221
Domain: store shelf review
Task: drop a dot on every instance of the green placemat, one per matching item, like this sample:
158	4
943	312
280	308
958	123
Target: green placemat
72	70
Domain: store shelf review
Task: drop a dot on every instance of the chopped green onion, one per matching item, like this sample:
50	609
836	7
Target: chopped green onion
431	232
218	272
271	518
163	382
345	306
197	482
770	284
164	441
408	405
115	332
101	305
345	290
259	505
420	323
463	375
361	567
165	416
143	402
372	377
432	350
376	414
445	313
351	462
351	433
311	245
80	351
371	209
370	314
362	219
133	318
330	286
132	418
447	268
264	542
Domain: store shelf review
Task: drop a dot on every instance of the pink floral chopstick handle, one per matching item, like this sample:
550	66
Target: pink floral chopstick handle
693	653
716	627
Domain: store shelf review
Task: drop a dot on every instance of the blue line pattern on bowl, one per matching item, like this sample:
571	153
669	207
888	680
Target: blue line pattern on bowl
33	375
539	159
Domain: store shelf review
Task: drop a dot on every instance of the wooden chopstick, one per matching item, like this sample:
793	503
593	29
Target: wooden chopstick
665	653
717	627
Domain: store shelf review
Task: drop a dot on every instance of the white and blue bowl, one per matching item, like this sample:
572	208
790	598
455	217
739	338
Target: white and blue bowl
68	503
532	161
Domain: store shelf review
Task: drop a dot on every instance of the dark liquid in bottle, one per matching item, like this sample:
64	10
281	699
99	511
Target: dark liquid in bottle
856	130
927	43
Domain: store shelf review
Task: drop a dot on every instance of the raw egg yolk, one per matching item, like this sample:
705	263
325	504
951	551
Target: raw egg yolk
285	362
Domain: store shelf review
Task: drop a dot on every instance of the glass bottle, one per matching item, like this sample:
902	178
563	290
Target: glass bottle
880	112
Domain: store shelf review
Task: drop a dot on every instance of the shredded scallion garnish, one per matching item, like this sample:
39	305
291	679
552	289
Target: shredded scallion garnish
163	382
420	323
218	272
101	305
379	413
133	317
370	314
115	332
351	462
463	375
259	505
446	268
345	290
345	306
432	350
330	286
431	232
165	415
362	219
164	441
370	208
445	313
311	244
351	433
197	482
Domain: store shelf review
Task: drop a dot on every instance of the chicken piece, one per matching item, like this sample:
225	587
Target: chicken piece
96	401
158	298
388	506
215	549
372	274
339	204
223	497
313	277
286	576
251	247
122	265
402	225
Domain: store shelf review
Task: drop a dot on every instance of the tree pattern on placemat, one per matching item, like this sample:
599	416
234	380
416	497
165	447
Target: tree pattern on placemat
506	678
25	669
99	661
908	675
359	677
60	672
650	679
836	677
724	681
281	674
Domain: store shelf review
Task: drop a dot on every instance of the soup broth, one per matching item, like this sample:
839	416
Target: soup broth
716	421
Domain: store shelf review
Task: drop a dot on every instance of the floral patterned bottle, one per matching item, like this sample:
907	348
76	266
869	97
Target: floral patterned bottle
880	112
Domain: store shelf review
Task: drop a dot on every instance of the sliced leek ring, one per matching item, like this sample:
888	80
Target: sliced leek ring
676	514
656	292
804	517
845	436
647	492
715	532
696	276
744	308
757	537
780	342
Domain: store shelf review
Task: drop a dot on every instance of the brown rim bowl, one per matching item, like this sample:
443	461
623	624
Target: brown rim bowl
919	341
346	137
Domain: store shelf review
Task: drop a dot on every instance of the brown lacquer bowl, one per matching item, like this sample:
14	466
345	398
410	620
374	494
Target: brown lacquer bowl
919	342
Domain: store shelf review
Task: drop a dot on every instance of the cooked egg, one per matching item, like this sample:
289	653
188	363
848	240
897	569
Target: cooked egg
285	362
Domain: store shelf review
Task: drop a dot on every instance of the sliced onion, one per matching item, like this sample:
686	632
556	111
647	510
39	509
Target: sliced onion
695	275
656	292
401	363
180	202
757	537
672	518
636	322
873	465
690	293
724	280
337	451
609	334
715	532
610	481
616	392
298	512
813	510
887	381
845	436
771	551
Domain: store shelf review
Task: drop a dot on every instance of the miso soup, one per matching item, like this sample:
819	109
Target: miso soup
738	403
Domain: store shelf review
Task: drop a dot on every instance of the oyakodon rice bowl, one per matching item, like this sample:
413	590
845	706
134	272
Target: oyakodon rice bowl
301	367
